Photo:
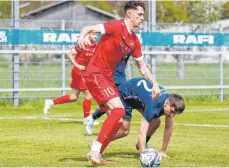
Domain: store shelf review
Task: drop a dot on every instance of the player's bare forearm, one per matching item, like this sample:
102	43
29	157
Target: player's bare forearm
89	29
86	30
167	133
144	70
71	57
142	135
166	138
141	141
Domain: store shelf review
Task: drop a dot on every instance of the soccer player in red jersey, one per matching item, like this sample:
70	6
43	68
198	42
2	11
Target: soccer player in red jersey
118	40
79	59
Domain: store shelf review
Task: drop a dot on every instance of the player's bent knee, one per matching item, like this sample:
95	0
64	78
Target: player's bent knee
158	122
115	103
73	97
89	97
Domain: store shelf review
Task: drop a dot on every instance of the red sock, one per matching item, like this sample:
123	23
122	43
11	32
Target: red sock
109	124
86	107
111	136
62	99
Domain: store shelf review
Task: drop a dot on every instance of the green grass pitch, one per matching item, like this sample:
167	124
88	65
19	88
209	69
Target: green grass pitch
30	139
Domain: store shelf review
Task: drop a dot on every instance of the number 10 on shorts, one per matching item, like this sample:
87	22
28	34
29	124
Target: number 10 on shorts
108	92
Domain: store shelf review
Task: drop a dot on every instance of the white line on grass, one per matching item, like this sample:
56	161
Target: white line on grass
203	125
207	110
188	110
133	122
79	114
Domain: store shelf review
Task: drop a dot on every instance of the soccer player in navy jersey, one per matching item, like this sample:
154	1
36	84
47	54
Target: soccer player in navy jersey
136	94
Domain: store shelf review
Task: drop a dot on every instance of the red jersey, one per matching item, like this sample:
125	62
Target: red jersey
116	43
83	56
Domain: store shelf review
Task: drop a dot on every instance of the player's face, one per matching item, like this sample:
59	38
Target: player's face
93	37
137	16
169	110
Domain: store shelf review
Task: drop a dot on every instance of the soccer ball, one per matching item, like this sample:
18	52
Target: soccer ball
150	158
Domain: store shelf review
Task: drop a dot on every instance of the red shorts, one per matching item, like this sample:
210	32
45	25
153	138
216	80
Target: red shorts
78	80
100	86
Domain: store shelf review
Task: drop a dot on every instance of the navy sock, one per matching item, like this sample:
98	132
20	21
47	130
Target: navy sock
147	139
97	114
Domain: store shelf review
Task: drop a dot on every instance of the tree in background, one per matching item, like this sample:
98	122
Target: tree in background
5	9
205	11
189	11
171	12
225	14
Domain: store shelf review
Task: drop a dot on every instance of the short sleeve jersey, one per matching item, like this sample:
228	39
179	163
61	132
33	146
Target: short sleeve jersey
83	56
115	44
137	93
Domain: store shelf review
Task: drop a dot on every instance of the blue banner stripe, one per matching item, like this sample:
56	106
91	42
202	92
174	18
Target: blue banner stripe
69	37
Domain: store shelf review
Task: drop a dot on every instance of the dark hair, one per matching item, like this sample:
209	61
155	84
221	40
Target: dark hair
134	5
177	101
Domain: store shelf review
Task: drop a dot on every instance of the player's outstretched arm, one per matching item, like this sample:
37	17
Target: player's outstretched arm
85	31
144	70
142	135
167	135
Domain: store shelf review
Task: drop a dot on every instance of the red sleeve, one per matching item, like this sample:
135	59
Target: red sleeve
76	49
95	45
112	26
137	54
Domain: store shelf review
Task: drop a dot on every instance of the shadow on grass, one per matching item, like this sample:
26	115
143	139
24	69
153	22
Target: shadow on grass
83	159
71	122
93	134
78	159
122	155
74	159
106	156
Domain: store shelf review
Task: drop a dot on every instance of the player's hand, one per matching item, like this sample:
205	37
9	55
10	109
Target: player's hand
156	92
81	43
163	154
146	148
144	156
81	67
87	41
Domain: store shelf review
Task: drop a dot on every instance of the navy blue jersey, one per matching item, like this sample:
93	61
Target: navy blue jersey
119	74
137	94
